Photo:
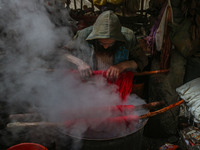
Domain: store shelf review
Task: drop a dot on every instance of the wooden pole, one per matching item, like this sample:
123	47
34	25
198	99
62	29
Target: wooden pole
27	117
92	5
151	72
150	106
142	7
33	124
81	4
34	119
74	4
151	114
68	3
52	124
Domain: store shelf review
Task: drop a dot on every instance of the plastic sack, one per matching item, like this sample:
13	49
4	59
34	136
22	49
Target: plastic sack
191	94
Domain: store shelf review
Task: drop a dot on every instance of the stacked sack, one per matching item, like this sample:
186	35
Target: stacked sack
190	92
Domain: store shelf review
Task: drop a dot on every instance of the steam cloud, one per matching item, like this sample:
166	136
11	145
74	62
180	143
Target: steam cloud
31	43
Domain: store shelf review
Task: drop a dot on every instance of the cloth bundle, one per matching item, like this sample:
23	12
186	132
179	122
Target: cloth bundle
190	92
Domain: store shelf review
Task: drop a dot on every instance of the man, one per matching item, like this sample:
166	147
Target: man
106	46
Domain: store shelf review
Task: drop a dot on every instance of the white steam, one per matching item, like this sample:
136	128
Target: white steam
31	40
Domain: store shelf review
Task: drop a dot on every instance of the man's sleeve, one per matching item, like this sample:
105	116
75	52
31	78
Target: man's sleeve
79	47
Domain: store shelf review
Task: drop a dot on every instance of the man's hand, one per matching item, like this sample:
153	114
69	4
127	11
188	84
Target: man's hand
85	70
114	71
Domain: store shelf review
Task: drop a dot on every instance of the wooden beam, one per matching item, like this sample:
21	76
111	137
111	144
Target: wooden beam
33	124
92	6
27	117
151	114
142	6
81	4
74	4
151	72
68	3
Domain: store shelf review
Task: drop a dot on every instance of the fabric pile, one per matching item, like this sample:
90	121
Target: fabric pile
190	92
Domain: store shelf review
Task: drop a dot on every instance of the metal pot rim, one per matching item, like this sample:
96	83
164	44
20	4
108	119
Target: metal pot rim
144	121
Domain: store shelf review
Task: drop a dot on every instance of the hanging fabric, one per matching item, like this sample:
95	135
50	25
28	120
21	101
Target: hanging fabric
124	83
166	45
151	38
159	39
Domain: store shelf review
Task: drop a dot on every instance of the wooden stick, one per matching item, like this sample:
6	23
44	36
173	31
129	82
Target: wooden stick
52	124
33	124
25	117
150	106
92	5
151	72
81	4
151	114
142	7
35	117
74	4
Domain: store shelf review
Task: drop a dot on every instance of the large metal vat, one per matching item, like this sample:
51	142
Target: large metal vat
58	138
132	141
128	141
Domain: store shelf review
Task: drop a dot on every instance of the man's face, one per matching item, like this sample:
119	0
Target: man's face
106	43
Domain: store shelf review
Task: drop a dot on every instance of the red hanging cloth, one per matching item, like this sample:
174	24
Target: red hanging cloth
124	82
125	85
